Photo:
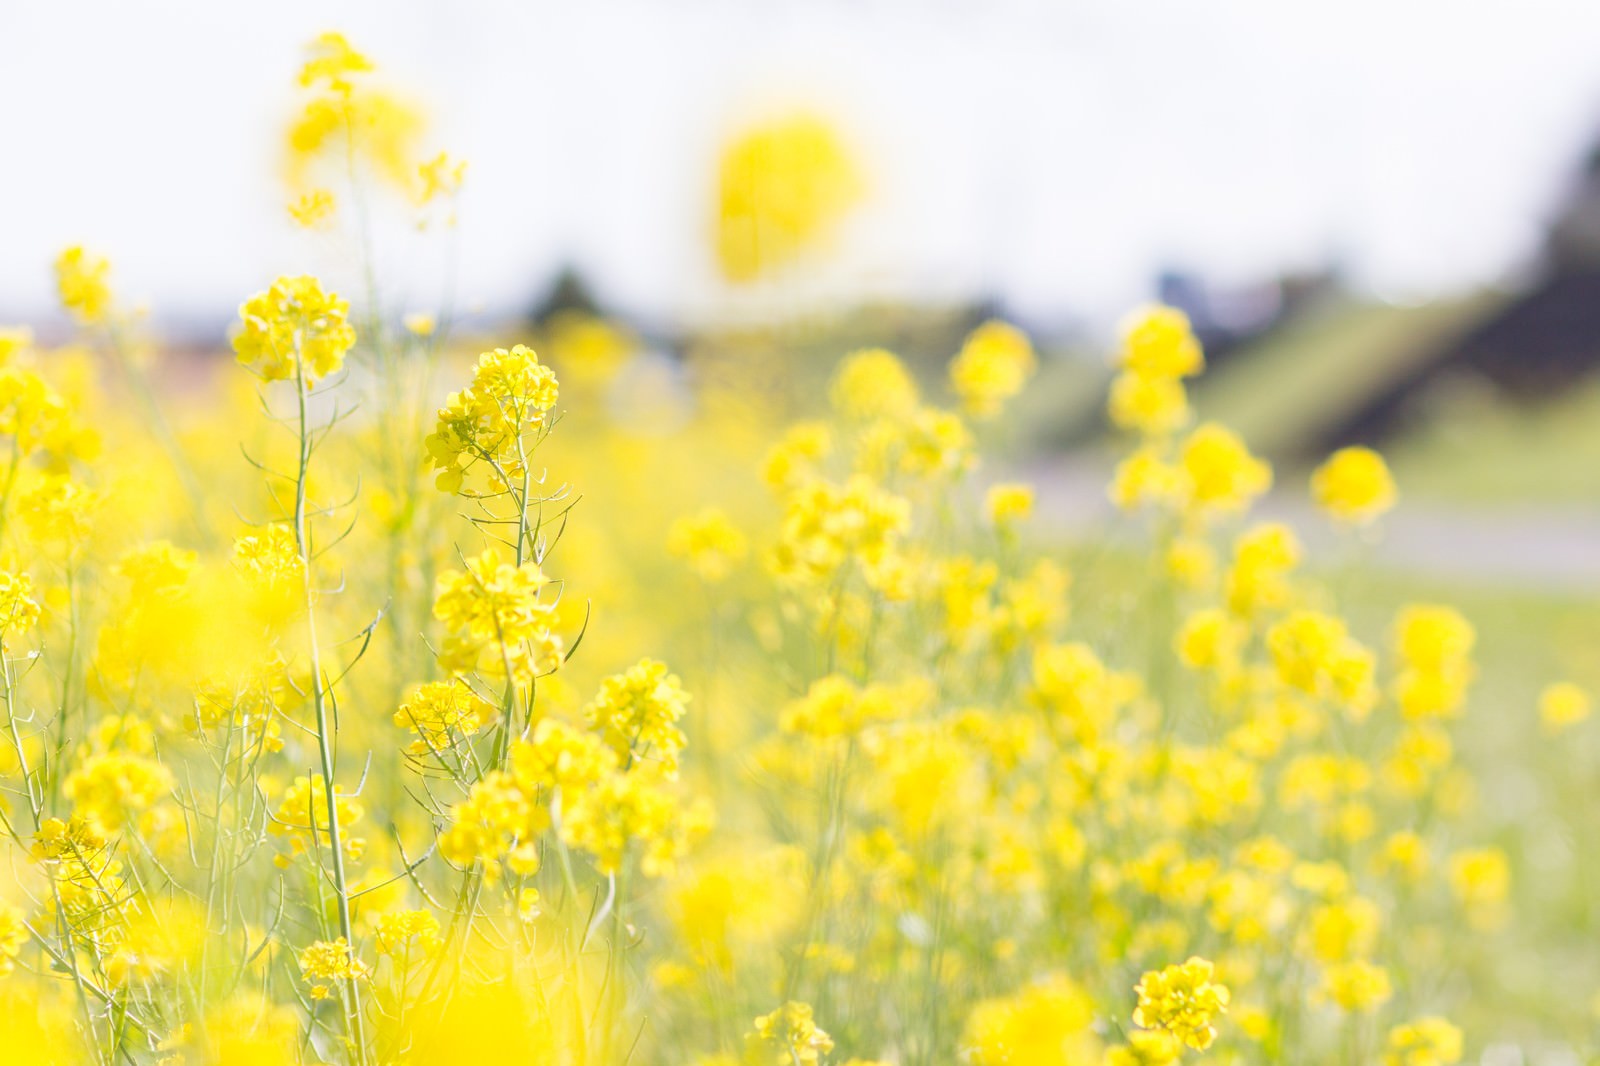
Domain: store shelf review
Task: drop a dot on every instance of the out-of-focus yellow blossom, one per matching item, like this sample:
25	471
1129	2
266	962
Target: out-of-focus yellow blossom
15	342
1050	1021
302	817
1428	1041
294	328
346	119
1315	654
59	513
1357	986
330	59
441	177
826	525
709	541
783	189
637	713
1158	342
1191	562
114	787
1354	486
1151	405
1339	931
1223	477
1404	857
1210	640
83	282
1185	1000
326	961
313	209
792	1033
1008	503
994	363
245	1031
1146	1047
1263	558
19	611
1481	880
420	323
797	455
1562	705
1145	479
13	935
402	933
633	808
1434	645
873	383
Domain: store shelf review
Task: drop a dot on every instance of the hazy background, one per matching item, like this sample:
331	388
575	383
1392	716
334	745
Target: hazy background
1050	156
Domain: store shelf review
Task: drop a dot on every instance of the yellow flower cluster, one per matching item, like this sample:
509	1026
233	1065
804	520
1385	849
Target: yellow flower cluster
496	619
1354	486
489	421
1185	1000
783	188
370	783
636	712
793	1033
325	961
82	279
993	366
294	330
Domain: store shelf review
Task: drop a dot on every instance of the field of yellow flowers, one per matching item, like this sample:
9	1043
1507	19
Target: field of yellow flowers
366	703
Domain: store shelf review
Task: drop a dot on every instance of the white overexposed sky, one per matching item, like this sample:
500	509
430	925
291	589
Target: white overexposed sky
1054	154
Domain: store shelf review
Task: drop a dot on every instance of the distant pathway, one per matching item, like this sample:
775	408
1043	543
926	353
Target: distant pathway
1540	546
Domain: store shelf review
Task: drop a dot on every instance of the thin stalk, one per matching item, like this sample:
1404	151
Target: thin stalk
320	708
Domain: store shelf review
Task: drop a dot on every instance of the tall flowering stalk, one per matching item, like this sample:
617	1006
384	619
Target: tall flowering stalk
295	331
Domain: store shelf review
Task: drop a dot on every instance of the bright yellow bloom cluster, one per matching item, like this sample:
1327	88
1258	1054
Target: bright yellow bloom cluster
496	619
405	932
793	1033
1049	1021
1354	486
994	363
1434	645
442	714
1428	1041
1185	1000
294	330
82	281
965	797
489	421
326	961
1315	654
115	787
1008	504
1158	352
604	808
783	189
302	818
347	119
633	808
872	384
835	706
828	526
19	611
636	712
